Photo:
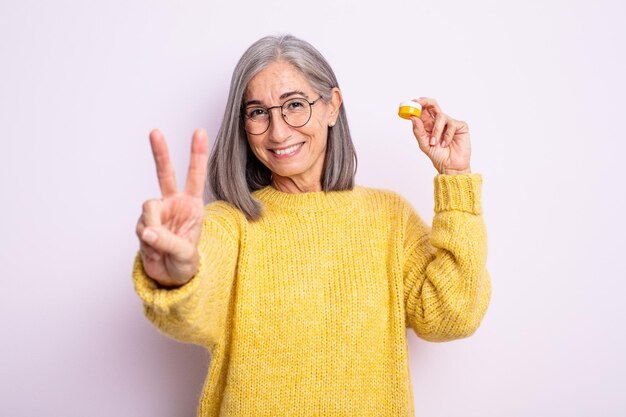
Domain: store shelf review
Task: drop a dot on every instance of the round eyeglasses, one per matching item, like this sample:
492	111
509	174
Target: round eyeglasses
295	112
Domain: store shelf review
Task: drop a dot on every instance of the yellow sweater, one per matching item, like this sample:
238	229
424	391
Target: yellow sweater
305	311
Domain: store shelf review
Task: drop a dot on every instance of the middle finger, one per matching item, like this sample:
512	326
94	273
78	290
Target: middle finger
440	124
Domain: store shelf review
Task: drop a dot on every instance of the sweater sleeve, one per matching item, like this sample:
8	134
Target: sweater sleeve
446	285
197	311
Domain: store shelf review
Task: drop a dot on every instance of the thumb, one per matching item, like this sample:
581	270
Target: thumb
165	241
420	133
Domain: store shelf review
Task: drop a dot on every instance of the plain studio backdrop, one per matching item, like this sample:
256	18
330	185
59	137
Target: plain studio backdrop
541	85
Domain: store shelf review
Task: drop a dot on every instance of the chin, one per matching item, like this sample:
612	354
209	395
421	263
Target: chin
287	171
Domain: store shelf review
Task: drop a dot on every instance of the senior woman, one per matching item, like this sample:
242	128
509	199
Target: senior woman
299	283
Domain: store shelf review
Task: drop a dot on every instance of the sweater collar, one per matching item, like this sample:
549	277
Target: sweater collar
313	201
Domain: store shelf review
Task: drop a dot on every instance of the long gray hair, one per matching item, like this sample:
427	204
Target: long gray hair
234	171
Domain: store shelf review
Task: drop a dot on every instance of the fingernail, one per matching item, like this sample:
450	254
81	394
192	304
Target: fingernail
433	141
149	236
413	121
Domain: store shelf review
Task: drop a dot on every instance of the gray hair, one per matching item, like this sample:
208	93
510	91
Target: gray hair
234	171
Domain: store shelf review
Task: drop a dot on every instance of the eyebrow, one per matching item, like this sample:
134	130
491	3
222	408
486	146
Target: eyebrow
282	97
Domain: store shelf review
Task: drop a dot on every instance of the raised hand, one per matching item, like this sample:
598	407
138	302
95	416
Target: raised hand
444	140
169	228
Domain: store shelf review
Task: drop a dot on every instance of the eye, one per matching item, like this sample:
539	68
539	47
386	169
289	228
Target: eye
256	113
296	105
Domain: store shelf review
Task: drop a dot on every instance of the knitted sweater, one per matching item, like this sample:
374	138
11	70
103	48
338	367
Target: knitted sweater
305	311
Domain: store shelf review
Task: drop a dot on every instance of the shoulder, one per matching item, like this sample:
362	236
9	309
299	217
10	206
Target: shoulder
220	208
397	210
225	216
386	205
382	198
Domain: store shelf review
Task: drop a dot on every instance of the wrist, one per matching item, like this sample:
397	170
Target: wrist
448	171
181	274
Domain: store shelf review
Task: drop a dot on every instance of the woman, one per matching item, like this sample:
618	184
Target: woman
300	284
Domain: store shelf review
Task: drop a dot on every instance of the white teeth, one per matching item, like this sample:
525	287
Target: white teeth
288	150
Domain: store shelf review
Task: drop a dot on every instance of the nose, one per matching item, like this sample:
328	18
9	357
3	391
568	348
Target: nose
279	130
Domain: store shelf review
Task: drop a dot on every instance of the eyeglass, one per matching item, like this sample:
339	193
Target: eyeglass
295	112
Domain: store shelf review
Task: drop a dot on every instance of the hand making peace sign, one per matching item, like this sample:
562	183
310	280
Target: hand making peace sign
169	228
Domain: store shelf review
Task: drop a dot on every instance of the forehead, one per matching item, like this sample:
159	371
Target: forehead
276	79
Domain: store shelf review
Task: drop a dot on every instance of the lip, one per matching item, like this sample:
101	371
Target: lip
288	155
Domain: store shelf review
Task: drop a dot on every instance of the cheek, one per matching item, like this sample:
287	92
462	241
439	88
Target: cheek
319	132
320	123
257	148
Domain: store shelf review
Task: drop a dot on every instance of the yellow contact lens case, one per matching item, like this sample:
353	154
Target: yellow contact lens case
408	109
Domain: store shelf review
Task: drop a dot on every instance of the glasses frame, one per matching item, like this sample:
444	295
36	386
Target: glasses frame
282	114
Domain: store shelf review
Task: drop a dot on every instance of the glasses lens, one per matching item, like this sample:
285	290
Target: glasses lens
257	120
296	112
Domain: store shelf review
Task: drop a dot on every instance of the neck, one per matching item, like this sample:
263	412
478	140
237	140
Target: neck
295	185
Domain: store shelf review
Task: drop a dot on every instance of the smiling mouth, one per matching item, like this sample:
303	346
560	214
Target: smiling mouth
288	150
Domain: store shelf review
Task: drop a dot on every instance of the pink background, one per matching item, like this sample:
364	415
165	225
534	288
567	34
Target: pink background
540	83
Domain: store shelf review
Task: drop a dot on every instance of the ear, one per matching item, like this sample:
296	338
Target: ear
335	104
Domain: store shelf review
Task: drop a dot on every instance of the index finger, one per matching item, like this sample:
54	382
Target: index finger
196	175
165	170
430	106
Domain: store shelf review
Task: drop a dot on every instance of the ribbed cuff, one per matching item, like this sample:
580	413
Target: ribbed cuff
458	192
